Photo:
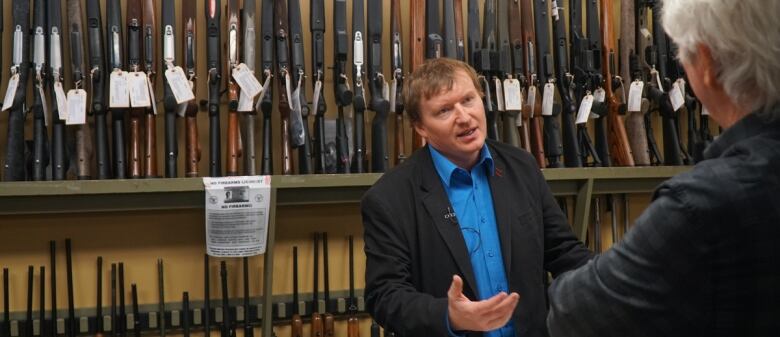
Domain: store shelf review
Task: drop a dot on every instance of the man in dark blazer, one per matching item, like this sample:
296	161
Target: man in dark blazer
440	261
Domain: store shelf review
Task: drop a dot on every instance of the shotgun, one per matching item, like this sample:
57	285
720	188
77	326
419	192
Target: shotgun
192	145
116	64
285	83
299	128
214	66
97	64
341	89
250	116
532	108
266	101
635	128
84	149
396	87
378	86
133	21
571	150
319	108
168	40
359	99
150	62
233	153
418	50
553	147
40	118
14	167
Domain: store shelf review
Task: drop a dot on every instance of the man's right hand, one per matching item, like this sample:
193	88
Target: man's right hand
486	315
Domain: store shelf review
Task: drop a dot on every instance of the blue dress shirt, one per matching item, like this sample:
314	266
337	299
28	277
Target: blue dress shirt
470	196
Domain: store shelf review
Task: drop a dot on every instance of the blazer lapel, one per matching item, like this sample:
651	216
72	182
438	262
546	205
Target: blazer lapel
501	190
443	217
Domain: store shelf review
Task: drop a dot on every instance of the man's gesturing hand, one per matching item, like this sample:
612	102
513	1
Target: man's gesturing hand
486	315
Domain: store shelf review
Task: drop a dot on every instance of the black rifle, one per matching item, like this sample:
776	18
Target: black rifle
227	325
28	324
643	70
596	79
150	64
14	167
233	148
553	148
296	324
84	151
504	71
71	323
341	88
136	313
185	308
359	100
192	145
42	304
214	66
248	132
98	303
161	292
266	102
248	330
114	318
40	135
121	322
97	73
134	49
59	157
116	64
283	69
327	317
52	284
298	99
474	34
377	85
397	85
450	37
6	310
317	24
206	297
434	42
488	67
169	100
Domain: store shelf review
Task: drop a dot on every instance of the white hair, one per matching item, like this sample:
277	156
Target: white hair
744	39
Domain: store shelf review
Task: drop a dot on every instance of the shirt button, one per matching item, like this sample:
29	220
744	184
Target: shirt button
490	253
482	219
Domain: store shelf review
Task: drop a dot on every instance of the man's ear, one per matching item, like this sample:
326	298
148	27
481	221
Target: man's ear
707	66
420	129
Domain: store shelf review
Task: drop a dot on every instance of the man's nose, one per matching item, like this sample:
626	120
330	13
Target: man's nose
461	114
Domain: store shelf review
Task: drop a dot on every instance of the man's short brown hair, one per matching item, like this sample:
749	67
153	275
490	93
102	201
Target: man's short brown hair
430	79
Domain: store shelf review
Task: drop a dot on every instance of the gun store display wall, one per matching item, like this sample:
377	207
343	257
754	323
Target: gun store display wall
139	221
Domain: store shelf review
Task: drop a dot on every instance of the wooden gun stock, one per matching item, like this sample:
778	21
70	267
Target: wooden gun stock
417	12
192	146
233	142
135	143
353	327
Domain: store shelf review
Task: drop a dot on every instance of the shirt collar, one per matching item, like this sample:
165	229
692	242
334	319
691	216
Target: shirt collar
752	125
445	168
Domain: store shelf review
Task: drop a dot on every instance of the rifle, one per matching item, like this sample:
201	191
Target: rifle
352	321
99	303
635	129
532	110
248	330
233	138
327	317
418	49
596	81
168	40
434	42
42	305
161	292
114	318
133	21
585	81
317	26
359	99
14	167
213	64
71	324
59	158
121	322
52	284
460	42
618	140
514	77
266	101
185	308
450	37
488	62
97	74
503	71
316	318
296	323
571	151
396	87
377	86
6	309
341	87
136	313
248	133
192	146
28	324
227	325
643	70
282	48
84	151
40	118
551	132
299	128
206	297
115	63
150	55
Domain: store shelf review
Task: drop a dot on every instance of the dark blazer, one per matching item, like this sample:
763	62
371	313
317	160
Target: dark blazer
413	250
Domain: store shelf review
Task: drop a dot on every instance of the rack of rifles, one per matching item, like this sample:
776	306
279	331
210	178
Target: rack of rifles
245	313
539	96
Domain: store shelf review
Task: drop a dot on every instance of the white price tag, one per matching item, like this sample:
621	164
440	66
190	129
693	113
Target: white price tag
585	105
246	80
139	90
513	95
599	95
179	84
531	100
245	103
547	99
119	94
264	90
499	95
318	89
705	111
62	101
681	82
676	96
635	96
10	93
77	107
657	76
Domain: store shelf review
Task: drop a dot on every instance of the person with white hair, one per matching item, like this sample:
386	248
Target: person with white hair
702	260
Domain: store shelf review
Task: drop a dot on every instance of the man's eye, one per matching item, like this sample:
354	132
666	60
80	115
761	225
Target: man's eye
467	99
